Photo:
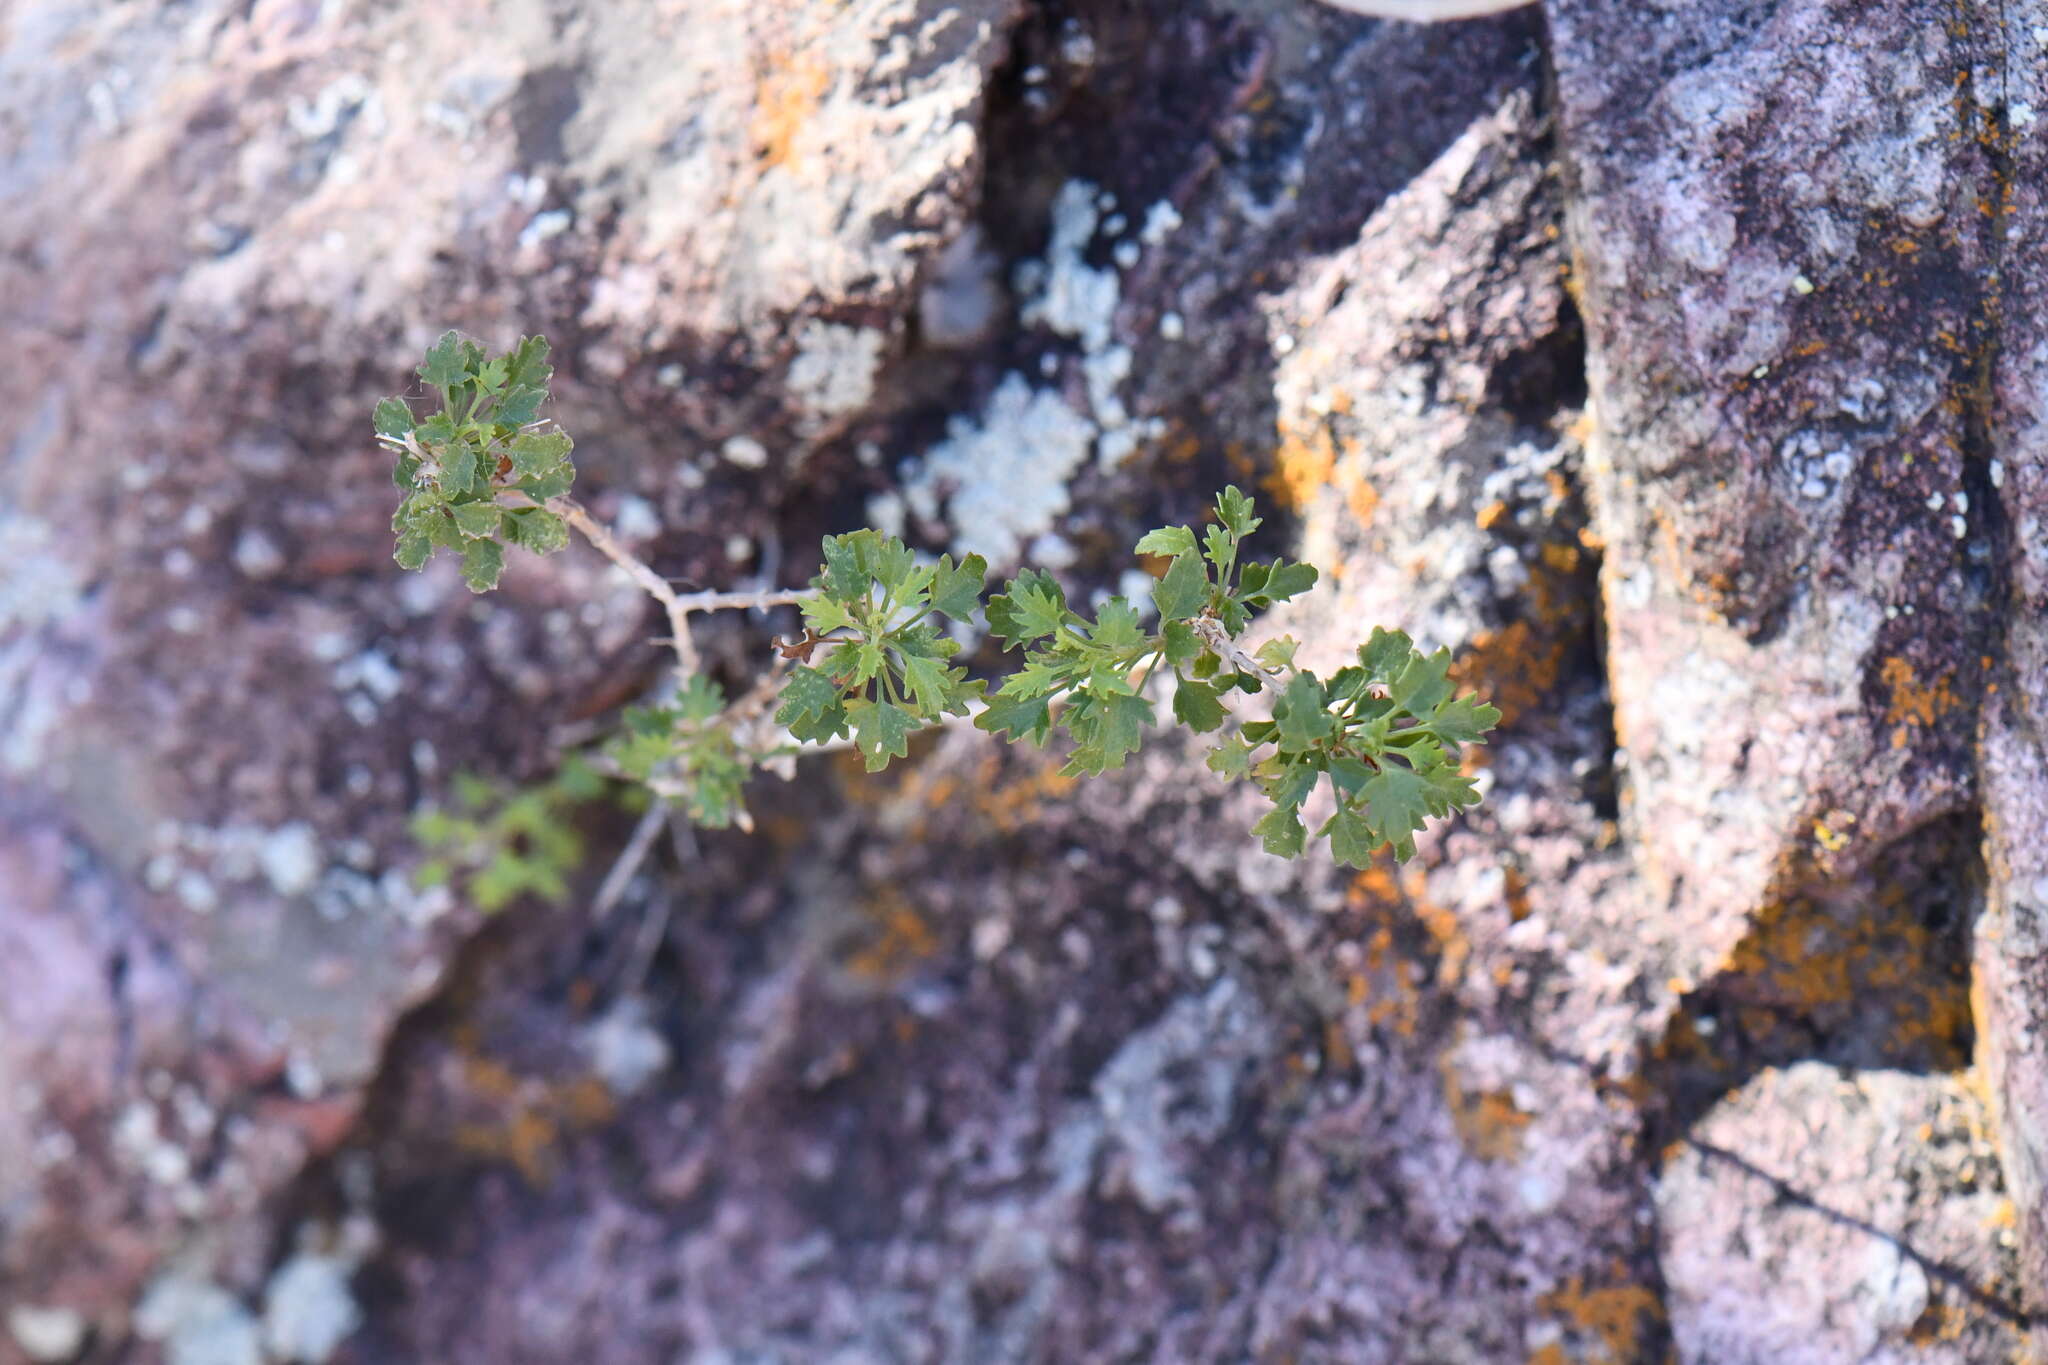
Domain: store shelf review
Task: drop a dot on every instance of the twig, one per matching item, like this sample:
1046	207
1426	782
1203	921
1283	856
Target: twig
629	860
602	540
726	601
676	606
1211	632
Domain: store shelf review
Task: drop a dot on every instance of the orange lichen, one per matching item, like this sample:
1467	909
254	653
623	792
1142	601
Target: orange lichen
896	940
1303	463
1511	667
1877	958
1014	796
543	1112
1488	1122
1914	703
1622	1319
787	100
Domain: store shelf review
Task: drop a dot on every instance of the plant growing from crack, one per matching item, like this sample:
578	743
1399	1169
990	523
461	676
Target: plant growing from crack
872	667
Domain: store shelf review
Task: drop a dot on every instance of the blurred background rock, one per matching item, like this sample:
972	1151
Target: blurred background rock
1676	365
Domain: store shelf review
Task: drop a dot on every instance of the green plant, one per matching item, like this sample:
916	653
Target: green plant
1385	735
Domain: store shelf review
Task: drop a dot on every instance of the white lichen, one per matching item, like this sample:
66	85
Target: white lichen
198	1322
46	1334
1428	11
833	373
1075	299
1007	472
290	858
308	1309
624	1049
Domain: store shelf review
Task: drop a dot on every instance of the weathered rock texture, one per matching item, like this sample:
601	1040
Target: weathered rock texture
1675	365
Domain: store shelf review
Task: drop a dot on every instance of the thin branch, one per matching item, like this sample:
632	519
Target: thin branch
1211	633
652	583
727	601
629	860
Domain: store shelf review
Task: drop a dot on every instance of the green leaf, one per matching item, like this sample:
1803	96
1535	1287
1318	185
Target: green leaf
929	681
1218	546
482	562
1199	707
1290	580
1353	841
1288	782
956	591
490	376
1041	674
1116	627
1234	510
1301	715
1180	644
1032	606
843	578
1281	831
1423	684
1106	730
528	363
888	560
1231	758
1171	541
552	484
413	551
479	519
534	453
393	417
436	431
1181	593
1277	653
1463	720
445	365
1398	802
458	468
538	530
519	405
881	731
1385	654
699	699
826	614
862	660
1019	717
807	694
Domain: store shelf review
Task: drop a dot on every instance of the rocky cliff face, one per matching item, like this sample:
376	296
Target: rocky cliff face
1673	364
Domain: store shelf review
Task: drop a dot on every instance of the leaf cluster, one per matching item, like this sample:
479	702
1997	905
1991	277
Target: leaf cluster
874	665
1078	674
488	439
504	841
686	749
882	669
1386	734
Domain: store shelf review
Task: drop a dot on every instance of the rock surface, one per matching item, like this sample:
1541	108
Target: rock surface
1674	365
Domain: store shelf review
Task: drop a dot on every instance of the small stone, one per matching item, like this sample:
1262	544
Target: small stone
1172	326
46	1334
308	1310
624	1049
257	555
290	859
1801	285
746	452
